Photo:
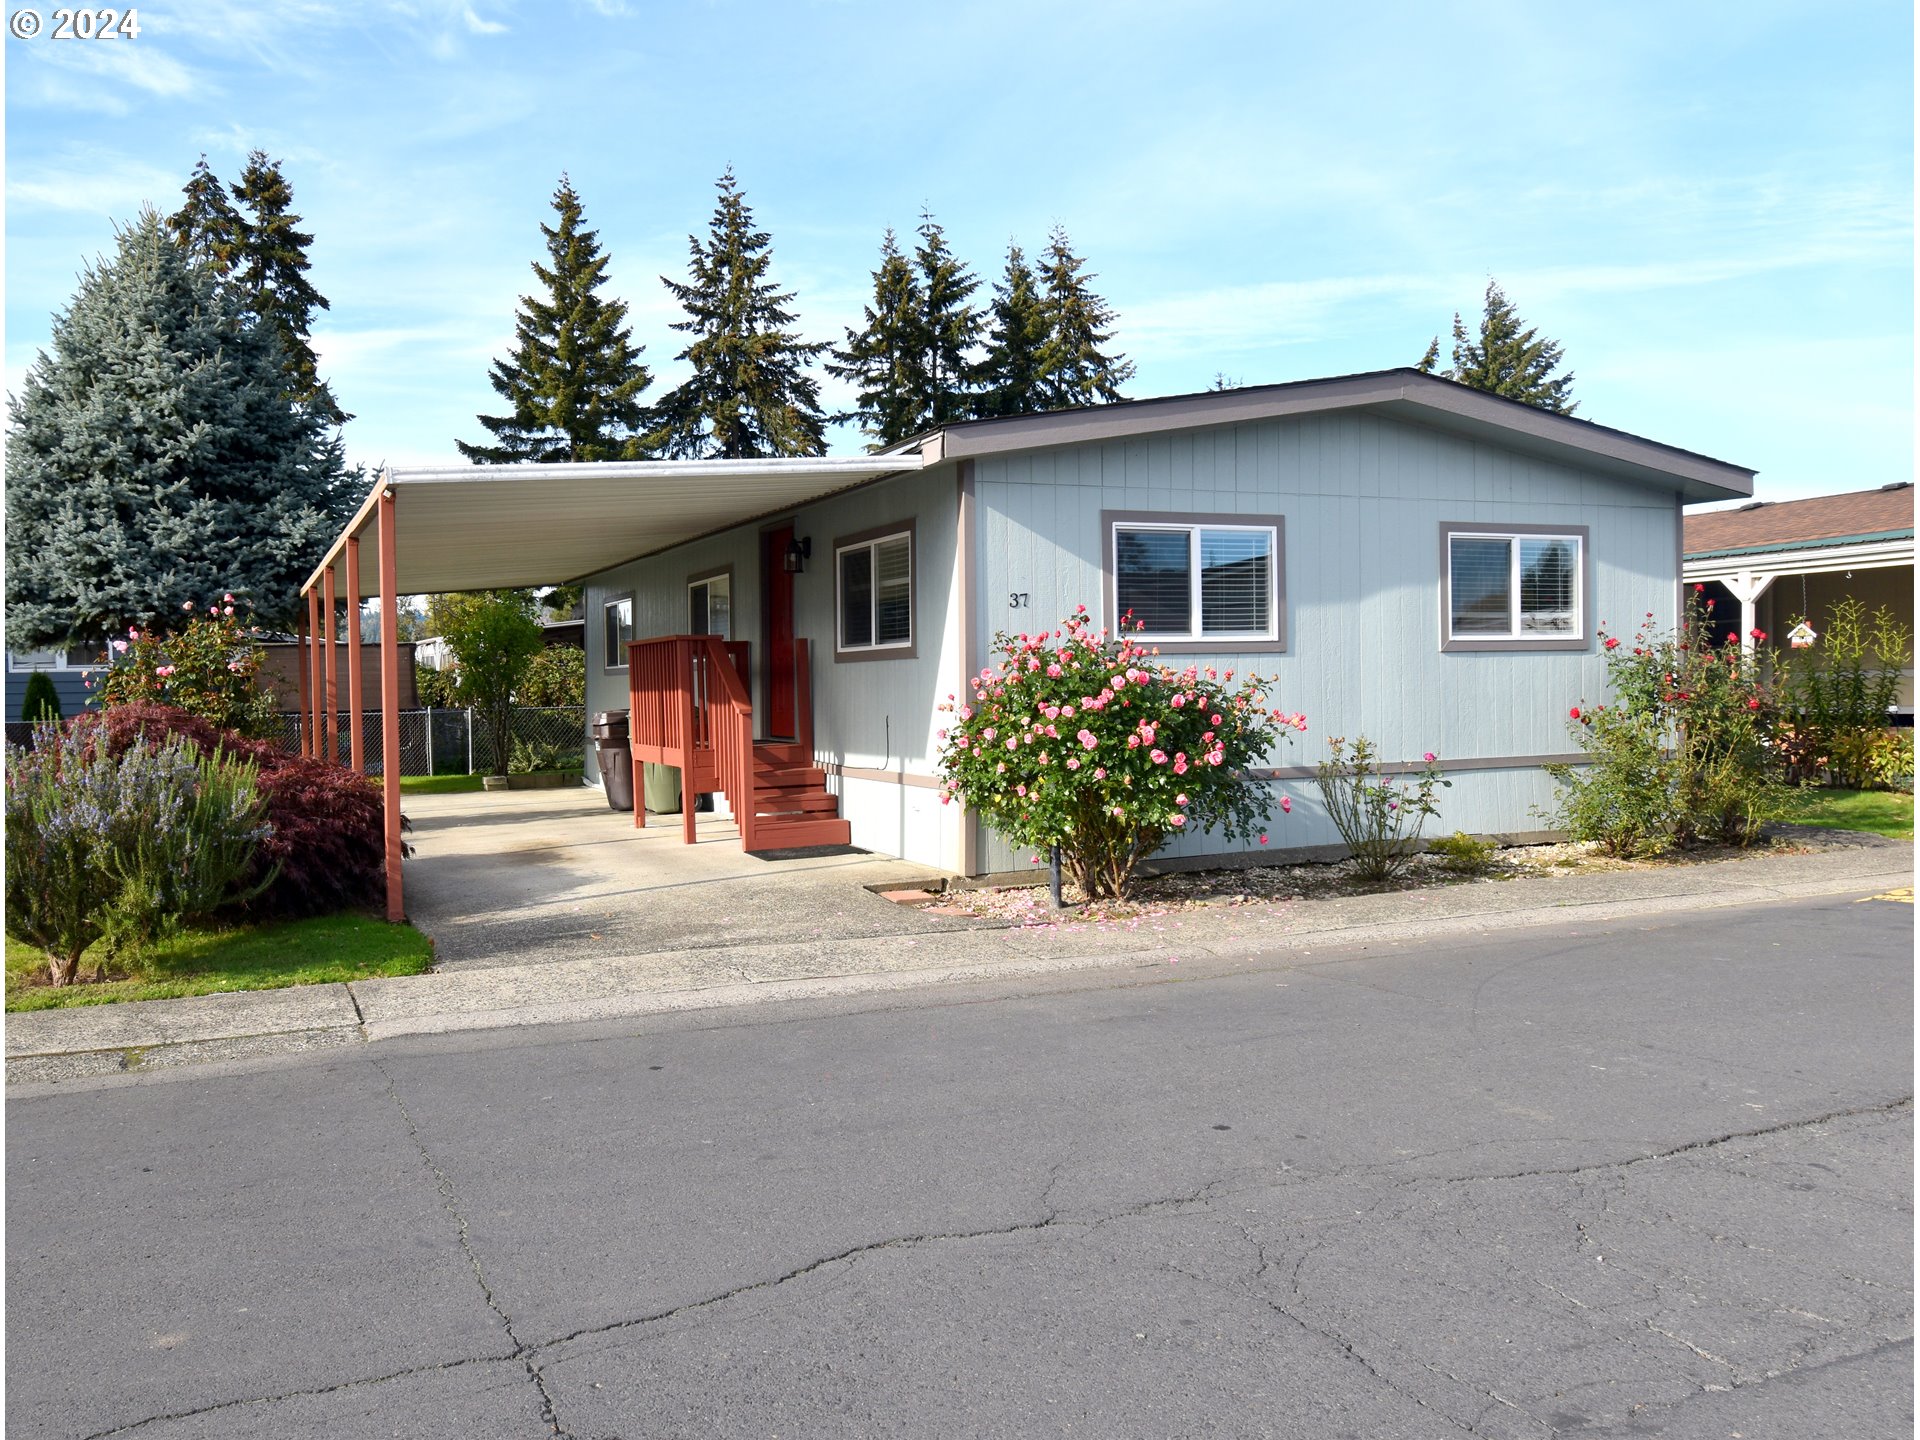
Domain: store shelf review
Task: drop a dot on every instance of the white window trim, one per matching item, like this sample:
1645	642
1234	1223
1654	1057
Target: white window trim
606	606
1192	529
872	543
60	664
1516	638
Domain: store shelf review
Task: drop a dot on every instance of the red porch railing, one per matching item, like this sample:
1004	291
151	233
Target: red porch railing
690	707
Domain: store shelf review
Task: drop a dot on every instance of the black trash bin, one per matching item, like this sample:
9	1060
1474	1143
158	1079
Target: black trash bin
615	756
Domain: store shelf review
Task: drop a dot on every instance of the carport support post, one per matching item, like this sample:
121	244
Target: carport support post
300	676
356	700
312	662
330	604
390	701
1747	588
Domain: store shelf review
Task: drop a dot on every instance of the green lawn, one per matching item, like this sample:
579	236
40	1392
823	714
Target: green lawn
453	784
254	957
1882	812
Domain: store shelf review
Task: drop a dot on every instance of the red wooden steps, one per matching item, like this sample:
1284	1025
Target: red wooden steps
792	806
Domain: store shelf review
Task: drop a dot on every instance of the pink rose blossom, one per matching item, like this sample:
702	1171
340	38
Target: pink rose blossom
1428	757
1286	808
1100	772
1159	757
1073	762
1179	820
1088	739
1263	839
120	647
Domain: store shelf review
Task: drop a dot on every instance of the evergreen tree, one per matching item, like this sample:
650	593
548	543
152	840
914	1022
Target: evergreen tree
157	457
949	327
269	266
1077	370
207	226
749	395
1011	376
885	360
574	376
1508	357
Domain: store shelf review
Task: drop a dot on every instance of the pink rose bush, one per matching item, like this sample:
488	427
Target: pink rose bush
1379	814
207	667
1088	741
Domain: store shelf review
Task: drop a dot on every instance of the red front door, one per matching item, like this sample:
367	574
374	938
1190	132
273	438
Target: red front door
776	589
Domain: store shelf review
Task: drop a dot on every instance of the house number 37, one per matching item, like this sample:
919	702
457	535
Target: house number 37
1017	600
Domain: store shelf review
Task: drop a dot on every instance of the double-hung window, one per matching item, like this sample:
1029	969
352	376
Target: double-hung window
1518	587
873	577
710	605
1198	582
616	618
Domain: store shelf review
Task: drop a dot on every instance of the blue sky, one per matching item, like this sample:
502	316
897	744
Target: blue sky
1710	205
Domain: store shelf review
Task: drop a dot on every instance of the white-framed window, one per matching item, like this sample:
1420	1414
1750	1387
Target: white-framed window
78	657
873	595
710	606
616	622
1213	582
1521	586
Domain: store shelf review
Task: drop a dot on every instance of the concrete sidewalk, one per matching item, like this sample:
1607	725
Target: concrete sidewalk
919	950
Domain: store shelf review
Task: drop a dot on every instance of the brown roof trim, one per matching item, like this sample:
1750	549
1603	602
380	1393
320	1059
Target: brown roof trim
1406	393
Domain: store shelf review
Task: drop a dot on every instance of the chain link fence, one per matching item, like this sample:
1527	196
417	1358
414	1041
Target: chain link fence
440	742
460	742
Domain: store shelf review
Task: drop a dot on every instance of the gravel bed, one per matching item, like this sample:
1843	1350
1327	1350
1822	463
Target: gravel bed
1171	893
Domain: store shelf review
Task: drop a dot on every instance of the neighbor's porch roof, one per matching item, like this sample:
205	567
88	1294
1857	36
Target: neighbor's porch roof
497	527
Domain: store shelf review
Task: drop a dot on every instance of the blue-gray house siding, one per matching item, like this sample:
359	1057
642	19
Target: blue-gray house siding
1359	476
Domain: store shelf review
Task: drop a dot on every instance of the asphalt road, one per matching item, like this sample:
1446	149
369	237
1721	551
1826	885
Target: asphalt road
1645	1180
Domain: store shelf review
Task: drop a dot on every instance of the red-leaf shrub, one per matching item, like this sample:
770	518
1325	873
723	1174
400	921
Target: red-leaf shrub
329	835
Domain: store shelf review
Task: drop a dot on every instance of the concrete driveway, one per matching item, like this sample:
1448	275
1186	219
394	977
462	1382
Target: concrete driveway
525	875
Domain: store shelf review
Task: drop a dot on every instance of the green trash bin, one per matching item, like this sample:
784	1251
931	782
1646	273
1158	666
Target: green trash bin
660	788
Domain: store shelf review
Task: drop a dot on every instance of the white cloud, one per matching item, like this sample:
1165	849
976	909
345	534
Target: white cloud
479	26
90	182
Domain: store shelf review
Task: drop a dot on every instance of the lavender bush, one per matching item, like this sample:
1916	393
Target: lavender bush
122	848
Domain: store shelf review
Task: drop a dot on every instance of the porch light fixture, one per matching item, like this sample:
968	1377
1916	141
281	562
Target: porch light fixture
799	551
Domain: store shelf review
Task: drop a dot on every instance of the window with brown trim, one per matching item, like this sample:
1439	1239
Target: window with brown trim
616	622
1199	582
1520	587
873	594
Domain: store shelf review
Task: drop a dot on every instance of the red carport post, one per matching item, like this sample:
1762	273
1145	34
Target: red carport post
330	604
356	700
300	676
317	681
390	699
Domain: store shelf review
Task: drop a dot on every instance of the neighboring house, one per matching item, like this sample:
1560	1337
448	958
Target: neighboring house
433	652
570	632
1412	560
1770	564
68	669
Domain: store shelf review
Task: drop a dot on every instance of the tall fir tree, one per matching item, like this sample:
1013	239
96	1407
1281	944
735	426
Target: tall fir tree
750	396
949	329
1078	370
269	267
1012	379
1508	357
157	457
574	376
885	360
206	225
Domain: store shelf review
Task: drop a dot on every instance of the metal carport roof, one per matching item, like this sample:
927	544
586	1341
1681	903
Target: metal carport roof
486	527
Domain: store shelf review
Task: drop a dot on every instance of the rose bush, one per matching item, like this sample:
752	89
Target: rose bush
1089	742
1684	749
206	666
